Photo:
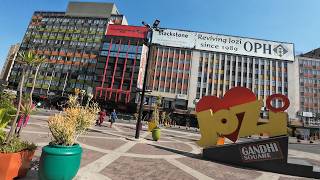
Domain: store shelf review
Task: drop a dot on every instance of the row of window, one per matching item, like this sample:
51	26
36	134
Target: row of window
214	92
310	80
121	55
222	57
172	90
309	71
73	20
62	35
123	48
64	43
309	62
309	90
244	76
164	50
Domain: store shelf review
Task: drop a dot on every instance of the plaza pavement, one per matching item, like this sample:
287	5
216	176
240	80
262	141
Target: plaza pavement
113	153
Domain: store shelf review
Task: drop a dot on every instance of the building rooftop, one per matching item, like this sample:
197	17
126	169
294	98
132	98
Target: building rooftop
91	9
312	54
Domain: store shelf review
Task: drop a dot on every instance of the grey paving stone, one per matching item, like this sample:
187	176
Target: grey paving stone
141	168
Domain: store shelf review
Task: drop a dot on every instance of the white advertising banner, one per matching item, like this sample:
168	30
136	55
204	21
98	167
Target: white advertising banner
142	67
174	38
226	44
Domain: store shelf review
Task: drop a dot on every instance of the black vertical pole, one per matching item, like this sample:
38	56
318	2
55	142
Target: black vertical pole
138	125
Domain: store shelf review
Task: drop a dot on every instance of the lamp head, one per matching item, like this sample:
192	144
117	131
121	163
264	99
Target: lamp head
145	24
156	23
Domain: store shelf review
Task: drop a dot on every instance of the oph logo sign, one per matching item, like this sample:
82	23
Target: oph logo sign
237	114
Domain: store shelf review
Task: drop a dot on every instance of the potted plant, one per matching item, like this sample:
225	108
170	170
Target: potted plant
61	158
15	155
154	123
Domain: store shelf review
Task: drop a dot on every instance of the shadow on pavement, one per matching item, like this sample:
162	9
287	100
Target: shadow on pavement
198	156
33	172
184	153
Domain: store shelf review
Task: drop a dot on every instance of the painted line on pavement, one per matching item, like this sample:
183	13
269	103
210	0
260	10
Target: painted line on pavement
268	176
189	170
302	154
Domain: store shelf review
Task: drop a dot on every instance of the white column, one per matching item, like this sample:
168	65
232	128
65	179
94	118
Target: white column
155	70
192	89
293	88
213	72
184	69
224	74
208	72
161	65
236	73
264	80
259	77
270	78
241	59
230	72
172	67
165	76
248	62
219	66
282	71
202	74
277	76
177	72
253	74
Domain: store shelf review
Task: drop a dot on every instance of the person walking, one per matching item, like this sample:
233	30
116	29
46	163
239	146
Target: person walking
113	118
102	115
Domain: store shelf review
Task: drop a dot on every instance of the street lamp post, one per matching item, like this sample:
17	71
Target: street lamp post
149	43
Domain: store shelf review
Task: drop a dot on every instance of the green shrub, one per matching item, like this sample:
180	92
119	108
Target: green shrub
68	126
7	110
2	136
16	145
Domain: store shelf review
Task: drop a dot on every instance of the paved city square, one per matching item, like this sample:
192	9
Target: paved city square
242	72
113	153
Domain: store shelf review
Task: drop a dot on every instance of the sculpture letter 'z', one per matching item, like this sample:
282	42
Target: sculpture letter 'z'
236	115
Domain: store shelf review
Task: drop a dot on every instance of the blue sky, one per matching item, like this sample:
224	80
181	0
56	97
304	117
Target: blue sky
295	21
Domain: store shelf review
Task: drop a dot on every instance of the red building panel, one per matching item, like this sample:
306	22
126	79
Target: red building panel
127	31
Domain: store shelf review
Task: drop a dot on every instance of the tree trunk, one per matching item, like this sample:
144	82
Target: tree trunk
34	83
14	121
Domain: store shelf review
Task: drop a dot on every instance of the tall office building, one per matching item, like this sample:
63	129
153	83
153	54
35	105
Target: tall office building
121	66
189	65
309	87
7	66
70	41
